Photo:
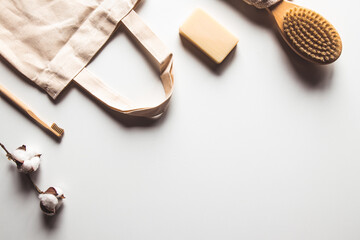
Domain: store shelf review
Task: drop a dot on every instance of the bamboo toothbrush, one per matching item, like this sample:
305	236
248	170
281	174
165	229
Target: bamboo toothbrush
54	129
309	34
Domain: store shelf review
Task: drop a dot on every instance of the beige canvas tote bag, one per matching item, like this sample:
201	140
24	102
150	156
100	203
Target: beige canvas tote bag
52	41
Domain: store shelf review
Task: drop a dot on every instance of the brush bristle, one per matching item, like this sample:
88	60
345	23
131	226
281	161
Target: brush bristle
57	129
312	35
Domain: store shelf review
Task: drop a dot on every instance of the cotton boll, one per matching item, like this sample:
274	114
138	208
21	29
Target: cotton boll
48	200
27	159
35	162
31	152
59	192
30	166
48	203
26	167
60	195
20	154
51	200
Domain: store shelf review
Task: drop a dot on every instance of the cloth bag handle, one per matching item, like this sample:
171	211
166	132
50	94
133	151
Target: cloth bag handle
162	57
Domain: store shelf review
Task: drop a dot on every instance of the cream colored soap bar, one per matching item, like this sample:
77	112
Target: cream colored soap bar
208	35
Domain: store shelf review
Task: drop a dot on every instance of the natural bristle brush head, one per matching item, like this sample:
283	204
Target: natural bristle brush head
312	35
308	33
59	132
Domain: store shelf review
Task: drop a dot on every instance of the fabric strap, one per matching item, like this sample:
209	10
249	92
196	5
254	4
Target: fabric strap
262	3
163	59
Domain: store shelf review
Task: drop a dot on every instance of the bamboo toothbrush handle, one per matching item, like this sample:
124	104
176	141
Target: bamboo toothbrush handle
24	108
13	98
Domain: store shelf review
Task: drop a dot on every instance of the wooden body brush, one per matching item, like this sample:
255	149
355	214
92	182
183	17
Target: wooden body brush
309	34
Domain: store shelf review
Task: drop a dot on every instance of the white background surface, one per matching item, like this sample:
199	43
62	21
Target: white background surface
264	147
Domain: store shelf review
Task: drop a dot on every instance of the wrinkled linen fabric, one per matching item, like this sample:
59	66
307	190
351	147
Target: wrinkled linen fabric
50	42
262	3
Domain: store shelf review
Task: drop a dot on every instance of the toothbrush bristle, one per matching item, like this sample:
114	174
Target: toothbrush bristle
57	129
312	35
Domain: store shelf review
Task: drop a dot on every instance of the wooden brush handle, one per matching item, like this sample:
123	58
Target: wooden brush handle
22	106
13	98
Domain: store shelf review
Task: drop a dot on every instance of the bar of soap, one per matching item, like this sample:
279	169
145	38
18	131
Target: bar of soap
208	35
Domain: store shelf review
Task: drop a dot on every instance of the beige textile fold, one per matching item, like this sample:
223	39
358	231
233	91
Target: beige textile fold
51	42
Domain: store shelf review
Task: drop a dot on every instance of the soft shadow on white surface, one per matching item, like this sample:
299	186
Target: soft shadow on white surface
51	223
126	120
22	183
312	76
